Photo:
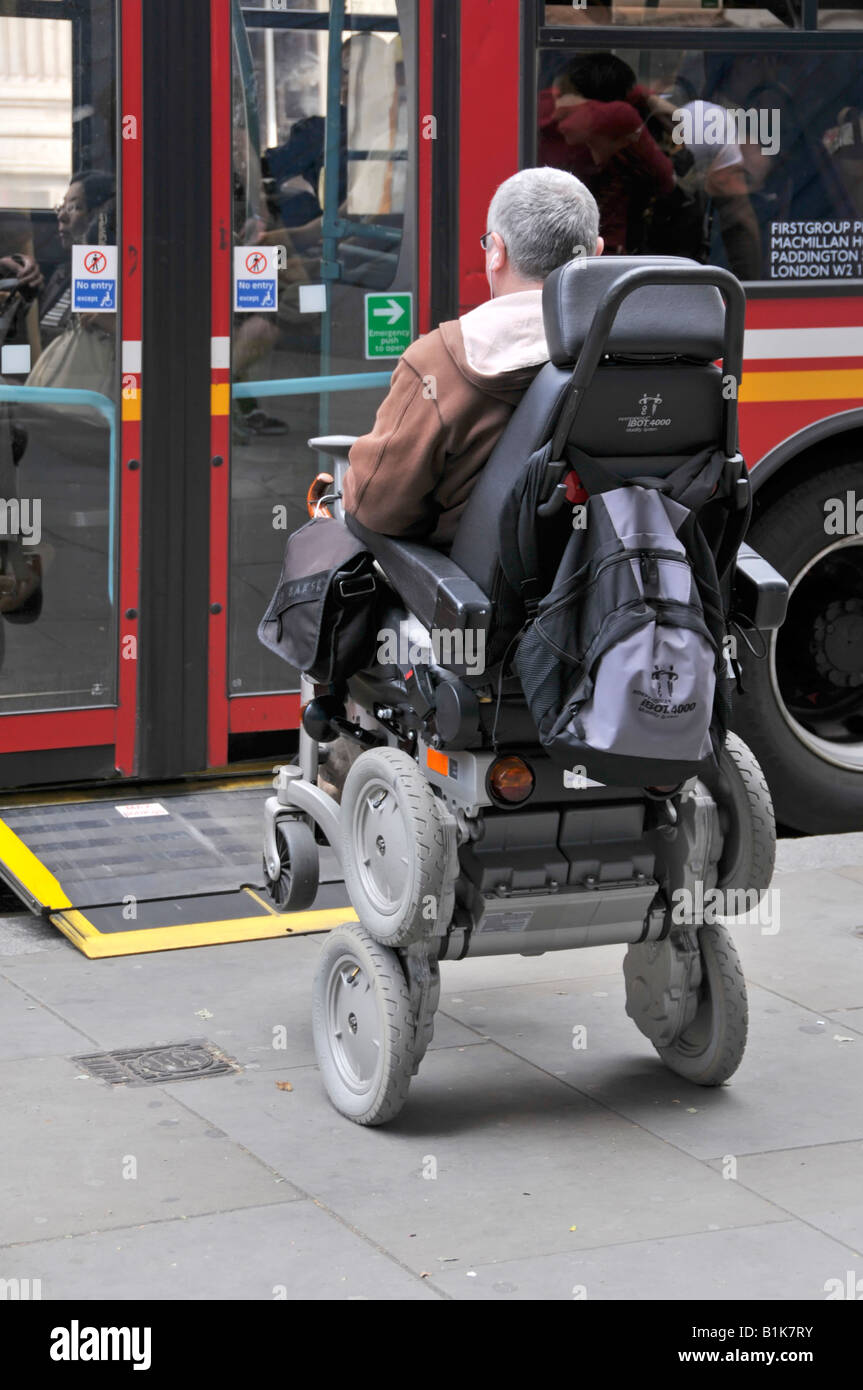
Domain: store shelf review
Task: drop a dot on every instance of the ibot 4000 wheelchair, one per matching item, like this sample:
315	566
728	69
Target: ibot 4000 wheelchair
457	834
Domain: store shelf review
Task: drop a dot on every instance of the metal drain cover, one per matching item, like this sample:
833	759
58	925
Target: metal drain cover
154	1066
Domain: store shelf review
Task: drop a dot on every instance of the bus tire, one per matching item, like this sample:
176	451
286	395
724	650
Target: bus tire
815	778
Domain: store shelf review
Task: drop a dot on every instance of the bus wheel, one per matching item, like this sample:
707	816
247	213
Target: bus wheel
802	710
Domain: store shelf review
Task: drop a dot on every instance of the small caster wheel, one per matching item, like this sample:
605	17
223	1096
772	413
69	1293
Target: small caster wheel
297	885
362	1024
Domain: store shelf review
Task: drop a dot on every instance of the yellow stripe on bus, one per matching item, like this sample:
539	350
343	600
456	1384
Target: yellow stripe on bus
843	385
220	398
130	405
30	872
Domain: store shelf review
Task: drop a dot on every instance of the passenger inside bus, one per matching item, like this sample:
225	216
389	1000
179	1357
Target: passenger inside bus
78	349
601	117
622	128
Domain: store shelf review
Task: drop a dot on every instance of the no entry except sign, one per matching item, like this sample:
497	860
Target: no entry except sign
94	279
256	279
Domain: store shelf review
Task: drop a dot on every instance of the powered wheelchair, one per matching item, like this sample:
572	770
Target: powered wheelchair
456	834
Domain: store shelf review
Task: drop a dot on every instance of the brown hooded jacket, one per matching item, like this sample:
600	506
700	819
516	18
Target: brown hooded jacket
449	401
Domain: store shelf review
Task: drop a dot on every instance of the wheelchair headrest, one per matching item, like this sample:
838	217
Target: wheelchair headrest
655	321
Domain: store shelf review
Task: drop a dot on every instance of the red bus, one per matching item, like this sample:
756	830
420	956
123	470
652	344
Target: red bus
279	196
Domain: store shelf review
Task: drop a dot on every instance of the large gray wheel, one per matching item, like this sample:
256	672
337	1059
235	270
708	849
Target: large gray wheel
362	1025
710	1048
746	819
395	853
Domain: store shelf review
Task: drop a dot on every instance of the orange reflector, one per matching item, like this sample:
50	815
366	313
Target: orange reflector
438	762
511	779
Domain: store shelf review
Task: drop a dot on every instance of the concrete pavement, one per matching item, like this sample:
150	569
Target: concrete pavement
520	1168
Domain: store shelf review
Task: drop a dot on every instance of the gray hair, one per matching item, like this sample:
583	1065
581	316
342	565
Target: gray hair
544	217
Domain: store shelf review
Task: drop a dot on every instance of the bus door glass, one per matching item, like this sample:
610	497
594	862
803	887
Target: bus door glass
323	238
59	373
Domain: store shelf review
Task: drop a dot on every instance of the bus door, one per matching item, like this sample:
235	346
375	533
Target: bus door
69	326
315	177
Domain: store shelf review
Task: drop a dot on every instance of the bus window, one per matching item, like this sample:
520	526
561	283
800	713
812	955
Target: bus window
749	160
842	16
679	14
59	370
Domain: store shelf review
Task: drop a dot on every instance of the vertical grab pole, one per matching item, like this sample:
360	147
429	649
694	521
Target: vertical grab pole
332	161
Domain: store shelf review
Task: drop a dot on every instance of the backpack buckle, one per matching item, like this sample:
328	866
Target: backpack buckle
530	595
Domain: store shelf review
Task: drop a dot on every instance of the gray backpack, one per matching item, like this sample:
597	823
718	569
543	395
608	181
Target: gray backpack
622	661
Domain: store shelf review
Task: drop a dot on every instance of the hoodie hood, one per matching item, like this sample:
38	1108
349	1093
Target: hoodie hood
500	345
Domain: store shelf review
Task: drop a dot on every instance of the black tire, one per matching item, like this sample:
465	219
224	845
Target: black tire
395	854
297	885
711	1047
364	1044
802	712
747	823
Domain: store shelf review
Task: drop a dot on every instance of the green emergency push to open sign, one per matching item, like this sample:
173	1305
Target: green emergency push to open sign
389	324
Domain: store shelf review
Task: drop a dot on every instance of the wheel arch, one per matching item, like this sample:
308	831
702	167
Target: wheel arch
827	443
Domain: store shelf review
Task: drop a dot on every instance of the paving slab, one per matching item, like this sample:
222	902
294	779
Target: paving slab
796	1084
816	957
21	933
823	1185
30	1029
820	851
65	1144
491	1159
252	998
847	1019
785	1260
295	1251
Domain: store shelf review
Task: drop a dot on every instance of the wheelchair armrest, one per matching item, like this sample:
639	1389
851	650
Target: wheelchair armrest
338	446
429	583
759	591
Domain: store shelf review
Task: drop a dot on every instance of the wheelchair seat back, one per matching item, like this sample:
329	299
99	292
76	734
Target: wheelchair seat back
655	400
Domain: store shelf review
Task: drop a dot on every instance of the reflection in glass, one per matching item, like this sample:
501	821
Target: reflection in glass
336	243
753	161
58	368
679	14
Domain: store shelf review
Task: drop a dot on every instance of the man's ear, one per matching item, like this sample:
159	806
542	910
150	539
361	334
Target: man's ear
600	246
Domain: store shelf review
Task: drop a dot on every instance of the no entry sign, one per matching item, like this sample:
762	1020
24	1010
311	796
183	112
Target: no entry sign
255	279
94	279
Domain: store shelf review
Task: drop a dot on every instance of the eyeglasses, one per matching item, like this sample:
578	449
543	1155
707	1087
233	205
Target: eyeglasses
70	207
484	240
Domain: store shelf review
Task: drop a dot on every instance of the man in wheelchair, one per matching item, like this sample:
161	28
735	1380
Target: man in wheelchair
578	786
454	390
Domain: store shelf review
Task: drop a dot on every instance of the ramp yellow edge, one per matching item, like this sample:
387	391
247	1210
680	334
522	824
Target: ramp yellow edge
30	872
98	945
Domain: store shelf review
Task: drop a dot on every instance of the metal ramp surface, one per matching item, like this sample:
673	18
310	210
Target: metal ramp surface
154	872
